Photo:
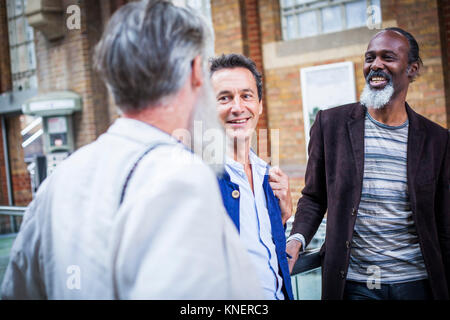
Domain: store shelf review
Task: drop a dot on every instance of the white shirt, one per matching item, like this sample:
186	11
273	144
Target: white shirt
170	239
255	226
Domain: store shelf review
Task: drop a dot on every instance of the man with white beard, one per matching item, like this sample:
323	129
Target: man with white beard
382	172
130	216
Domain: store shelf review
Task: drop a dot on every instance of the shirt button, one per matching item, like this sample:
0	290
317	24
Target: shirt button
353	211
347	244
342	274
235	194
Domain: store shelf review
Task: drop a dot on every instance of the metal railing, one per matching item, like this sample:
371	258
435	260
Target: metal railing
307	261
12	211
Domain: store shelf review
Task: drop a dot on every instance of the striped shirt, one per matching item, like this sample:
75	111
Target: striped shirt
385	242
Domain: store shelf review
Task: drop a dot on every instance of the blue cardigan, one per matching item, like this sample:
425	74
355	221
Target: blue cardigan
232	206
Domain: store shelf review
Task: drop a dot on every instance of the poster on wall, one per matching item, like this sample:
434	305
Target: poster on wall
325	87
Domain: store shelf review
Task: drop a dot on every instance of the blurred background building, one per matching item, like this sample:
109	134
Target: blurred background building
310	51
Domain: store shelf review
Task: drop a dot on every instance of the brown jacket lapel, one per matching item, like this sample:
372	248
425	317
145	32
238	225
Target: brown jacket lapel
356	132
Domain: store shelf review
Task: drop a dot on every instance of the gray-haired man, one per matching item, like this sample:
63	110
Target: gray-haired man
134	215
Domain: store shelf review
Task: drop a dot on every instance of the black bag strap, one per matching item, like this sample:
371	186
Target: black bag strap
127	180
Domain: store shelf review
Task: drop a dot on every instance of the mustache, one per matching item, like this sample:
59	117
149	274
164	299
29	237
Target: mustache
378	73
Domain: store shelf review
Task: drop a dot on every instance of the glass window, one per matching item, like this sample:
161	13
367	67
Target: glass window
375	12
22	49
23	58
307	24
20	30
31	131
356	13
331	19
10	8
13	60
12	32
291	27
204	6
304	18
18	7
31	56
29	31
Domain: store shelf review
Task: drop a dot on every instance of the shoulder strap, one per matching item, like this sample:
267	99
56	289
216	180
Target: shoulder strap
149	148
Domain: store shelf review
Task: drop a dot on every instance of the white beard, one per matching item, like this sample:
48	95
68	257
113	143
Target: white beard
376	99
208	134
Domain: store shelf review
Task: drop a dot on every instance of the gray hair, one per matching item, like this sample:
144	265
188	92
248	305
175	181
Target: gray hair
147	50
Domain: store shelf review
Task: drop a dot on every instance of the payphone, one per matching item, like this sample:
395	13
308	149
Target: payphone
56	109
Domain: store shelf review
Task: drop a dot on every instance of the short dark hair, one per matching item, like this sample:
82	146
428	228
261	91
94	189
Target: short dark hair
234	60
413	54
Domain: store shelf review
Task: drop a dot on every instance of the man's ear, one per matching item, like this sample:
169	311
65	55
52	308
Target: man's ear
197	73
260	107
413	70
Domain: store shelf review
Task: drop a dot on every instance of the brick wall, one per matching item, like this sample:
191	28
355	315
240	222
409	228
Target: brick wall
427	94
5	85
3	187
66	64
227	26
282	74
269	15
237	29
444	22
20	177
5	74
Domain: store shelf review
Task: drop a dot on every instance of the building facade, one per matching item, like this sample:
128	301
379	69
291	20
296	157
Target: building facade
299	45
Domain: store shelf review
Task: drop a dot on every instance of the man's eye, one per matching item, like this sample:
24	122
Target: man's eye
369	59
223	99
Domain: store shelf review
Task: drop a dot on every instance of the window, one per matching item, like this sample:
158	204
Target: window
204	6
21	44
306	18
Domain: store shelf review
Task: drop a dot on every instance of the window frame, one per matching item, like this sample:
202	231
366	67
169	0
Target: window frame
316	6
28	74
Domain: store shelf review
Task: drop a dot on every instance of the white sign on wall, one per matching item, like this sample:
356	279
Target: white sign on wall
325	87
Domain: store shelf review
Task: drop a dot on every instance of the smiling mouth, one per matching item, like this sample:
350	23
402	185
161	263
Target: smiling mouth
238	122
378	82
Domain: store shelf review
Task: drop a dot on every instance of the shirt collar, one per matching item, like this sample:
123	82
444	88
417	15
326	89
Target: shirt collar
139	131
257	163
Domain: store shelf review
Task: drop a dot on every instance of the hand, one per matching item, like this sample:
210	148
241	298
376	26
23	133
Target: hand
279	182
293	249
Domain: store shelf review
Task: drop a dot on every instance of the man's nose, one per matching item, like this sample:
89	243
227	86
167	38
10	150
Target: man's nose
377	64
236	105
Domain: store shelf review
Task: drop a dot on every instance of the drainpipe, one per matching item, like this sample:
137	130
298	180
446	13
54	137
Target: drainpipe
8	173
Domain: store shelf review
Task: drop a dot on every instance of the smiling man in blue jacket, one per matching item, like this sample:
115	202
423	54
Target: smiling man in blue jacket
256	197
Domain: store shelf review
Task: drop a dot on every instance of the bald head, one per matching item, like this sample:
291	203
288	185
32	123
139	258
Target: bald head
413	46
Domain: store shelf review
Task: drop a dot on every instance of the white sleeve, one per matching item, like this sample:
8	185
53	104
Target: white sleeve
22	279
298	237
176	241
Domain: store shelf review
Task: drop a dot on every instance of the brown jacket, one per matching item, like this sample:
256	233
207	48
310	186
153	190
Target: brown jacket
333	182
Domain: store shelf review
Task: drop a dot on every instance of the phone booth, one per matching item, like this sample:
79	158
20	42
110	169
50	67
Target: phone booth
56	109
